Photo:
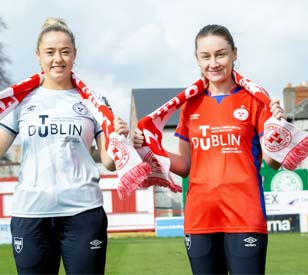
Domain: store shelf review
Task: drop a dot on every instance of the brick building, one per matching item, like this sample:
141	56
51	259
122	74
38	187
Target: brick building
296	101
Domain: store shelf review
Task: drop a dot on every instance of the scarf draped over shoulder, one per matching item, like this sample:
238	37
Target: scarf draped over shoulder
131	170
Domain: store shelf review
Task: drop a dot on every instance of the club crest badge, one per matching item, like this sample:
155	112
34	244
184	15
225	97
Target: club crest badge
120	152
188	241
241	113
276	137
80	108
18	244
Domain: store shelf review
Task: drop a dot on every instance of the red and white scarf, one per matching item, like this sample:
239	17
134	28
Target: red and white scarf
282	141
132	171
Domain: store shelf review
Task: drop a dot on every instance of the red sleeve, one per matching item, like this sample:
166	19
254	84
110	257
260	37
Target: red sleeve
262	114
181	130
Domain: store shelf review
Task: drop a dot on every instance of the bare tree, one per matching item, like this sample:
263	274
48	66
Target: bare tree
4	78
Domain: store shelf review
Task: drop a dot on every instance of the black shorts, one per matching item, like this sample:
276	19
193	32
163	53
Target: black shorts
80	240
220	253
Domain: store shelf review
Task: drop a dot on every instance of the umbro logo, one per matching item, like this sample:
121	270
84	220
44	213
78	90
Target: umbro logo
250	241
95	244
31	108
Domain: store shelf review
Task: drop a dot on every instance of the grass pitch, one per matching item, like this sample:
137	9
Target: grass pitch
287	254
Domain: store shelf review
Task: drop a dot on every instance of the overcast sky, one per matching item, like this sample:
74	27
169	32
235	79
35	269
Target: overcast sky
127	44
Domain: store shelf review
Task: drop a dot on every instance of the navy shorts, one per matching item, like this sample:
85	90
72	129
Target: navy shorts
80	240
220	253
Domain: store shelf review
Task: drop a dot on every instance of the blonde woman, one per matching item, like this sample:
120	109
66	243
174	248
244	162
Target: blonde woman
57	205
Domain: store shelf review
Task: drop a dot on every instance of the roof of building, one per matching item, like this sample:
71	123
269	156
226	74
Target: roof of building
301	111
148	100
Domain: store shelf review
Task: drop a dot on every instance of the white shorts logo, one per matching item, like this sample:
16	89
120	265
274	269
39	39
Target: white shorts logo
250	242
95	244
18	244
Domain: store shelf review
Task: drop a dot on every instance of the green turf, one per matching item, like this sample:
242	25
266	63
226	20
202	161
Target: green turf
287	254
141	256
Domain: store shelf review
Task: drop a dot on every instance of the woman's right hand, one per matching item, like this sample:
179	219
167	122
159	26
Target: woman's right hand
276	110
138	138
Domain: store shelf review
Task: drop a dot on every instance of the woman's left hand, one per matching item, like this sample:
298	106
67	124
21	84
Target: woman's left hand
276	110
120	126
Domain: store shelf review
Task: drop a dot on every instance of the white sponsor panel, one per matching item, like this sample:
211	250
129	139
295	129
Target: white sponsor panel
7	201
5	231
7	186
286	202
304	222
130	222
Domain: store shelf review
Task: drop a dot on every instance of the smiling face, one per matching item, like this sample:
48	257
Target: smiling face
56	55
215	58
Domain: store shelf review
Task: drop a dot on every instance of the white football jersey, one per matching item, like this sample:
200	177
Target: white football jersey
58	176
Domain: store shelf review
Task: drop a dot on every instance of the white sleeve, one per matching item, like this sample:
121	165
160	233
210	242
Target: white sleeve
10	123
97	129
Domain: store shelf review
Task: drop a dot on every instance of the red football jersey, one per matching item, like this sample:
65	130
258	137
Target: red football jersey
225	191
